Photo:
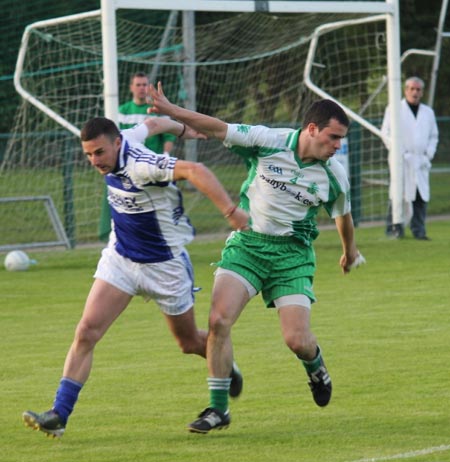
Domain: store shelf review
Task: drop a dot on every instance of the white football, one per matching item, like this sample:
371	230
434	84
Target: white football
360	260
17	261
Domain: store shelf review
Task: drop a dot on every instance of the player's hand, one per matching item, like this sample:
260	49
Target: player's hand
158	100
351	261
238	220
191	134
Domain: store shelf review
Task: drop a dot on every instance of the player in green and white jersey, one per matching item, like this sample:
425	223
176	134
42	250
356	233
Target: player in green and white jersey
134	112
291	174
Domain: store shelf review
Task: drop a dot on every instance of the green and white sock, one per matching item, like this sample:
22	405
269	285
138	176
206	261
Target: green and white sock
218	392
314	364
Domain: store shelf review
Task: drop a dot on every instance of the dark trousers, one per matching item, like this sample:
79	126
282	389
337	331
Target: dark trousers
417	224
419	215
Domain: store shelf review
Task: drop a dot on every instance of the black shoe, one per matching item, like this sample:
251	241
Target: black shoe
320	385
422	238
210	419
48	422
395	232
237	381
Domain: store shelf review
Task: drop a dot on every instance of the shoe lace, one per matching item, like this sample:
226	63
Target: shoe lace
321	375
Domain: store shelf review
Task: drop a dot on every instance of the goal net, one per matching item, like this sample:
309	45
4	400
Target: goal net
249	67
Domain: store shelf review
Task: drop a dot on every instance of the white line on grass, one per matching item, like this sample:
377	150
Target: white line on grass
407	455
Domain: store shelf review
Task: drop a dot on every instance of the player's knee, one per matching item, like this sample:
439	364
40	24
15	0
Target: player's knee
86	335
218	324
301	345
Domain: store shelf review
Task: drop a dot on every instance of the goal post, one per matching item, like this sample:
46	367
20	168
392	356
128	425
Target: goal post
262	62
18	73
390	8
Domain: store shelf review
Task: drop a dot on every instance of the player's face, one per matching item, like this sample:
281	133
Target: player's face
413	93
139	88
325	142
102	153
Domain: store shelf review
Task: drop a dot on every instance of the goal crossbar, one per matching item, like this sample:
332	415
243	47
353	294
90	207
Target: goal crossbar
389	7
267	62
239	6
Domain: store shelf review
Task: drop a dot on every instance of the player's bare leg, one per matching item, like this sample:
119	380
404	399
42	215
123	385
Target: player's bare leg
295	328
103	305
190	339
228	300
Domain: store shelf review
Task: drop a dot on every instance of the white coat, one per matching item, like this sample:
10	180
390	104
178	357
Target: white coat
419	139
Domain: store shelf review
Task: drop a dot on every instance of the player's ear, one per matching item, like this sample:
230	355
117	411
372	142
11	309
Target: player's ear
312	128
117	143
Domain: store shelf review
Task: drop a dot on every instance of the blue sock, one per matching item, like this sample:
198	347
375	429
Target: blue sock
66	397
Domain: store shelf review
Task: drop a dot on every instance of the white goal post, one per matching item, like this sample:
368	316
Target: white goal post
261	62
390	8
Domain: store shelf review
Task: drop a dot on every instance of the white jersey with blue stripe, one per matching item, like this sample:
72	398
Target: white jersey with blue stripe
149	224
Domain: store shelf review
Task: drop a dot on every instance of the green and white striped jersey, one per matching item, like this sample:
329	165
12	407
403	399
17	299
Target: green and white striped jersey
281	194
132	114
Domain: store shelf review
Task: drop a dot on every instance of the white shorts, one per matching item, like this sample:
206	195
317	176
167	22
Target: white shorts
170	283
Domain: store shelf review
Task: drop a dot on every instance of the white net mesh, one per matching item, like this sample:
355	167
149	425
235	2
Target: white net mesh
249	68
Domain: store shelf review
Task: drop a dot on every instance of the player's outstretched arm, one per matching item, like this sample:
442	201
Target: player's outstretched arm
346	231
207	183
157	125
210	126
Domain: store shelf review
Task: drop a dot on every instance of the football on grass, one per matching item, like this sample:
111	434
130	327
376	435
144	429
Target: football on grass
17	260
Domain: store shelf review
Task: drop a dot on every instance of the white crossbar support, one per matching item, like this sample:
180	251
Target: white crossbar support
18	73
321	30
437	56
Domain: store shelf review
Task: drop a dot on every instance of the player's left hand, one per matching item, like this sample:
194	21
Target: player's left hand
349	262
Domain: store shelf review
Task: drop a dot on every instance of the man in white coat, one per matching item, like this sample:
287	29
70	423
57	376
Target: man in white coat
419	139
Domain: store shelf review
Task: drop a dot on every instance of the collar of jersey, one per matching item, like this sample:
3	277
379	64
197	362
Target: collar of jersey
292	144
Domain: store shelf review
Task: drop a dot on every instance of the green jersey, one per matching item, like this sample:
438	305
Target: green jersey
131	114
281	194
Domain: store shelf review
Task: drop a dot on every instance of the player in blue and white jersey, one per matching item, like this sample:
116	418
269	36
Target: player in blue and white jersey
291	175
146	252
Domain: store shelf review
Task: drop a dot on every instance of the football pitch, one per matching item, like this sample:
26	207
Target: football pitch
383	328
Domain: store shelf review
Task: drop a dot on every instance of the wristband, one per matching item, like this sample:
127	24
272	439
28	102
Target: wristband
182	131
230	212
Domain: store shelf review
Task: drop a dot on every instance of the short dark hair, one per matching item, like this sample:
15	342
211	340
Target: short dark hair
322	111
139	74
98	126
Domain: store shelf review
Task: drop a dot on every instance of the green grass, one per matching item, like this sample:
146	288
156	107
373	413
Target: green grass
31	223
383	329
